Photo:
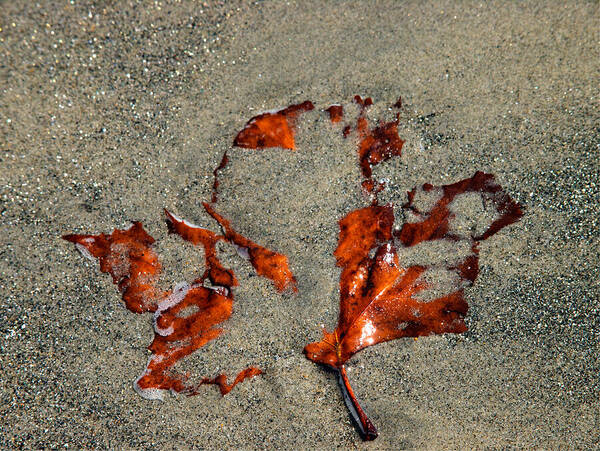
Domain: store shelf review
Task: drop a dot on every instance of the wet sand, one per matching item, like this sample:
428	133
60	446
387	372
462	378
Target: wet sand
110	113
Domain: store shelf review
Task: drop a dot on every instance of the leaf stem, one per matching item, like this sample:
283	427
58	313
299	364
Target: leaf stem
367	429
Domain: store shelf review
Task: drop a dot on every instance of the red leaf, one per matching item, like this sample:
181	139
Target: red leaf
375	145
272	129
434	224
128	256
381	299
336	113
377	293
267	263
215	271
221	380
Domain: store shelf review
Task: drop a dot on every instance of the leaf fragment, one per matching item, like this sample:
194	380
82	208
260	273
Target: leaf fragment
272	129
336	113
266	262
128	257
185	318
378	295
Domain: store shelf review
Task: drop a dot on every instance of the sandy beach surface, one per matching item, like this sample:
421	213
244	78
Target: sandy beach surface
112	111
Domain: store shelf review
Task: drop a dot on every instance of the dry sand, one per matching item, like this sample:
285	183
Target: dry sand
111	111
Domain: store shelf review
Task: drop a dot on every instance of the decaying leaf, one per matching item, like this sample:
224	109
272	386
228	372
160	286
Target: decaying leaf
130	259
336	113
376	144
267	263
378	295
127	255
383	294
272	129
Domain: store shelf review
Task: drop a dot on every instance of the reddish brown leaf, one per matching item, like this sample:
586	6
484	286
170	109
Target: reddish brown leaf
378	299
267	263
178	336
336	113
376	292
434	224
128	256
364	103
372	187
362	230
152	387
375	145
272	129
221	380
215	271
